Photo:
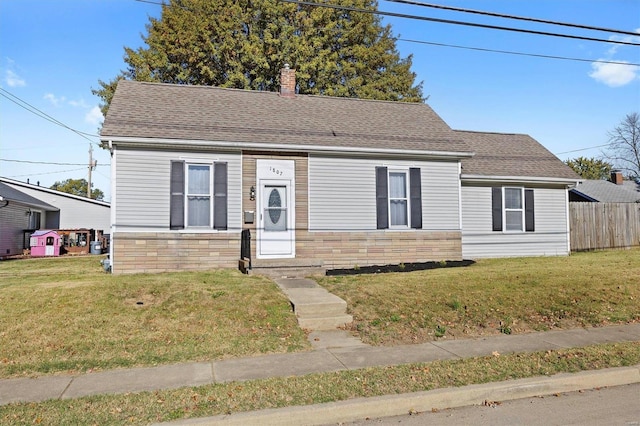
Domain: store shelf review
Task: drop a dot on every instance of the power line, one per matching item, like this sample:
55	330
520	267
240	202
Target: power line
521	18
46	173
32	109
48	163
582	149
448	21
510	52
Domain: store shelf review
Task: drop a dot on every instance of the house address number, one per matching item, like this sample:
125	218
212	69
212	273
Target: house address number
275	171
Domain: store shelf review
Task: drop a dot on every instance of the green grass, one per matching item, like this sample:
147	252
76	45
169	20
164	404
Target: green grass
493	296
67	315
210	400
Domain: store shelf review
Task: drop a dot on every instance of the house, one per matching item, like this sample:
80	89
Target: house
317	181
45	243
20	215
29	207
615	190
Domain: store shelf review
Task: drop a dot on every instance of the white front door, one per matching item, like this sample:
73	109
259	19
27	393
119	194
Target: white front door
276	215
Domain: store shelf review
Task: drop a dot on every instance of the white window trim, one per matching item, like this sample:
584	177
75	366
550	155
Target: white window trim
505	209
187	195
407	198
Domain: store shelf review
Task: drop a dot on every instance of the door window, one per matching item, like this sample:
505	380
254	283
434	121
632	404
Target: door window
275	213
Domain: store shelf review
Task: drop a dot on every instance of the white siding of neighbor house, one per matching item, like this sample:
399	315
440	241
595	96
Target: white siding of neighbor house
142	187
342	193
75	213
551	228
13	219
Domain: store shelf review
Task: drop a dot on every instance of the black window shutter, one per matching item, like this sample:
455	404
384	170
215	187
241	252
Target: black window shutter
415	193
529	215
496	208
220	196
382	198
176	189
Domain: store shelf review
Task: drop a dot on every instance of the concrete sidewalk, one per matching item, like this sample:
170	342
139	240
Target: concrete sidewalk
323	359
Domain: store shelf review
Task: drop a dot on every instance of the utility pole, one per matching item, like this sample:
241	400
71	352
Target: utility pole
92	165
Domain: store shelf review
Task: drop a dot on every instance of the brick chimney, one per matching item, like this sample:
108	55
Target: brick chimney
616	177
287	82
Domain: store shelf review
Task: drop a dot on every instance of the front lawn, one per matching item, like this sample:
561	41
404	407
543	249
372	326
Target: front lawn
67	315
493	296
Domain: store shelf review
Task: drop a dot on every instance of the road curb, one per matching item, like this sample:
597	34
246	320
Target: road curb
395	405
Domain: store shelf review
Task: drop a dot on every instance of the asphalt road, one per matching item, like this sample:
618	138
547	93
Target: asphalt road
606	406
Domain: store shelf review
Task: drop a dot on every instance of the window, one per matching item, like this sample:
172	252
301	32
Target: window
35	218
398	198
198	193
513	207
398	201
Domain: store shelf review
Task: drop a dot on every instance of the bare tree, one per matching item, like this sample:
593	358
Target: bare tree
624	145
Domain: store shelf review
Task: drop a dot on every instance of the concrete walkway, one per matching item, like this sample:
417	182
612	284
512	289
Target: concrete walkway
325	359
335	350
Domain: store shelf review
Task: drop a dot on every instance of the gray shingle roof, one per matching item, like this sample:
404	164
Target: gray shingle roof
213	114
607	192
507	154
12	194
168	111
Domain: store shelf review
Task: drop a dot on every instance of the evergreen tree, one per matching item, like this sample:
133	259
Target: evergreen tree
590	168
244	44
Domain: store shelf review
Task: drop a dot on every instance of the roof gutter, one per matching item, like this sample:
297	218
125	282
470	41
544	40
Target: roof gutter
518	179
199	144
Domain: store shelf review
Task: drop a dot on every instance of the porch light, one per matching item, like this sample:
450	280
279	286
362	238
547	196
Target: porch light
252	193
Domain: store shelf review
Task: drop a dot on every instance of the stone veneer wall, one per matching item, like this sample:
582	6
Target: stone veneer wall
173	251
347	249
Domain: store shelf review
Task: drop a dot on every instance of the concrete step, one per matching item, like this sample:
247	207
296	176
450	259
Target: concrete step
314	306
326	323
287	272
315	302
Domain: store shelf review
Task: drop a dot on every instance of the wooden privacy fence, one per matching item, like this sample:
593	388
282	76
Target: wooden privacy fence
604	225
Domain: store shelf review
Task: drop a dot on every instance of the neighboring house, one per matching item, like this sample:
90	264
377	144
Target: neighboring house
318	181
30	207
616	190
20	215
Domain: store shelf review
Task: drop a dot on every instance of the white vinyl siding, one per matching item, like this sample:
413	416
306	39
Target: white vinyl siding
142	187
549	238
342	193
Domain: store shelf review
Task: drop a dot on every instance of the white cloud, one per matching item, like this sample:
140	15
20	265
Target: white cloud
55	101
79	103
14	80
614	75
94	116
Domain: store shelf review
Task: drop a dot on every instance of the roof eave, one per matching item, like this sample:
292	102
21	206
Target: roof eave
256	146
468	178
53	191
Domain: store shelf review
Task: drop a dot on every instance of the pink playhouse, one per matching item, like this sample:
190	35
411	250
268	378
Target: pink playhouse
45	243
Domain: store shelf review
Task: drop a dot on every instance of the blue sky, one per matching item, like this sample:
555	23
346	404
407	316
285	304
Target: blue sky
53	53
